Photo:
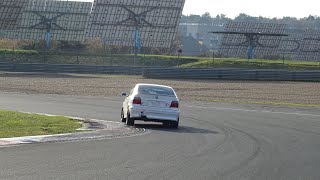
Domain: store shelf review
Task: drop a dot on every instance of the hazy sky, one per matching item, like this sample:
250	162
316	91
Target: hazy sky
266	8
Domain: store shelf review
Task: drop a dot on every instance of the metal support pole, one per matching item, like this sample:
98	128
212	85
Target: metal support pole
252	44
144	57
135	55
179	52
134	59
213	57
178	59
48	42
136	44
48	39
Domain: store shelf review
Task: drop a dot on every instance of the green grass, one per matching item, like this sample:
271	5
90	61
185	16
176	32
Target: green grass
167	57
18	51
26	56
16	124
254	63
101	76
96	59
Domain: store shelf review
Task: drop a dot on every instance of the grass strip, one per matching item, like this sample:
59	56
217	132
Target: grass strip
16	124
254	64
18	51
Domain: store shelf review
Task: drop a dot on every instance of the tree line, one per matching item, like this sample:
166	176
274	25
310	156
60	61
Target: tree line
311	22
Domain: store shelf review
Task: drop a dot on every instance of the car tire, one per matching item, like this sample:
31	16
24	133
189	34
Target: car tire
122	116
129	121
174	124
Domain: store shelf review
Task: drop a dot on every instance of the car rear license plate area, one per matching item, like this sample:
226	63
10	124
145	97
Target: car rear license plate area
156	103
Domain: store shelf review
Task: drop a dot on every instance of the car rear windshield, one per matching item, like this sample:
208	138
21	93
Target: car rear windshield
155	90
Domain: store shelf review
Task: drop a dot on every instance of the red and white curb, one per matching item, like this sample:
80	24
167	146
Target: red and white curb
110	130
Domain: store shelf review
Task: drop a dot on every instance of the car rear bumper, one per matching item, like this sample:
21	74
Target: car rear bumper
154	114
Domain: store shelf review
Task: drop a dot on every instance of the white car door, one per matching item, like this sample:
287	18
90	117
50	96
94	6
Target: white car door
126	103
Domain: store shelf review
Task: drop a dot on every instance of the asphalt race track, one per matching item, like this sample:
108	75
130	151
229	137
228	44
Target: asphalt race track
214	141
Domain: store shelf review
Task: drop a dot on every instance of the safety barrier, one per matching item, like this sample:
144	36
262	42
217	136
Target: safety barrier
70	68
178	73
233	74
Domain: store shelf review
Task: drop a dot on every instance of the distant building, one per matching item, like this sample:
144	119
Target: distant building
200	32
193	47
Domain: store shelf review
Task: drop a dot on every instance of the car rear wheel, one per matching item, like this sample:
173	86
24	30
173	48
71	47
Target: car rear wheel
122	116
175	124
129	121
171	124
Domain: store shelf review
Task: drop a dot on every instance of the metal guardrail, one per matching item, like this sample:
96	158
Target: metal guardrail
69	68
233	74
179	73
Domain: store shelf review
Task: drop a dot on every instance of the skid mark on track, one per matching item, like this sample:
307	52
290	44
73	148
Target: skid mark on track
97	130
228	131
225	131
246	161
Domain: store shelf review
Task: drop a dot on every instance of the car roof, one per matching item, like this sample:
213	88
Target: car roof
157	85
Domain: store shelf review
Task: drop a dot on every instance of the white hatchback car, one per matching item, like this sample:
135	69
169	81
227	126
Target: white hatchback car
151	102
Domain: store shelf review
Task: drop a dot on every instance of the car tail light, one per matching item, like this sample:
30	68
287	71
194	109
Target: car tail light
174	104
136	100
